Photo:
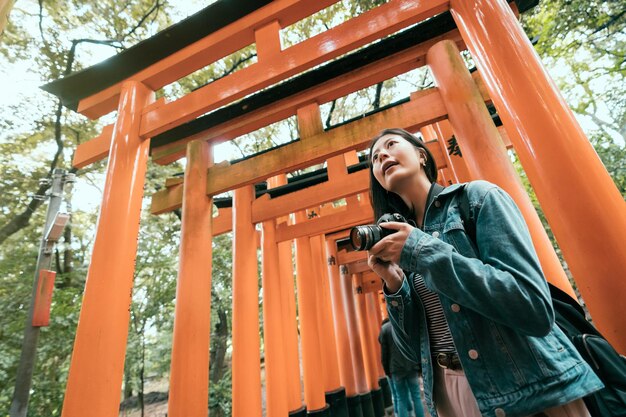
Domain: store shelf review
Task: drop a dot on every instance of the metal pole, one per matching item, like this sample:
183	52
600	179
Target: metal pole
23	380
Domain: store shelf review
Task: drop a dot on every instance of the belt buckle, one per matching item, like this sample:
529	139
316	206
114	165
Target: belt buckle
442	357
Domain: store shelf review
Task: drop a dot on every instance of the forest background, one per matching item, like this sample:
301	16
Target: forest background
582	43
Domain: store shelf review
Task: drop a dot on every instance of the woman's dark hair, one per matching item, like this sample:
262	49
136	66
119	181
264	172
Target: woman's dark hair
383	201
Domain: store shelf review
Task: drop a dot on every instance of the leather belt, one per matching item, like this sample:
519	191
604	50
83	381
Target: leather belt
448	361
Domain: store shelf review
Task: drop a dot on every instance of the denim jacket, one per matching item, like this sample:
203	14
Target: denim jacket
497	305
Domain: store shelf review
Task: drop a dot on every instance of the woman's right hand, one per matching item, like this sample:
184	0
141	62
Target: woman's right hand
390	272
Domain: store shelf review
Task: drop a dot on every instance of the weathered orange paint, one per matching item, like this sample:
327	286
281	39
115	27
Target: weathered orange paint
43	298
375	321
189	369
325	315
569	179
456	162
275	372
309	333
246	365
485	153
342	339
97	365
356	352
365	332
288	303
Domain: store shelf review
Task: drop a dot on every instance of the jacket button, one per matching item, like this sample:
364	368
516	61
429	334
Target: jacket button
394	303
473	354
435	234
500	412
455	307
437	203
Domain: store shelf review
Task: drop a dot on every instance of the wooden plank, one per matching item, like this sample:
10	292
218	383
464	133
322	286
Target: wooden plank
95	149
354	33
223	222
213	47
98	148
359	266
171	198
338	87
345	257
332	223
265	208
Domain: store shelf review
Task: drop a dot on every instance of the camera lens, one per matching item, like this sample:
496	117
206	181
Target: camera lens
358	237
364	237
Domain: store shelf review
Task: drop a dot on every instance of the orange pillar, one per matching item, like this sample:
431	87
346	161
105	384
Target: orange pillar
369	353
97	366
325	317
375	320
342	339
309	333
189	370
485	153
584	208
275	372
246	342
457	162
289	322
429	134
356	351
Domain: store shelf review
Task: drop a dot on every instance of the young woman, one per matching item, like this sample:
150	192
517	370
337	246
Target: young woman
475	312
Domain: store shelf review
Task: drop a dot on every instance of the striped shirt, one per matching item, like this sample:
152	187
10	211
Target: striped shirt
438	330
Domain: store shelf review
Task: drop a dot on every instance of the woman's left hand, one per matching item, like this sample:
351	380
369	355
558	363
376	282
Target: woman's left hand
390	247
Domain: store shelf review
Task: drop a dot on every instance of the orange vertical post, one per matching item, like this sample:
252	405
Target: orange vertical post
275	372
369	359
246	367
457	162
428	133
309	333
288	304
342	339
326	326
353	331
375	321
356	351
571	183
97	365
189	369
484	150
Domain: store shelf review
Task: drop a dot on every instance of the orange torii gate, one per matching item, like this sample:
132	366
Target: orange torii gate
337	302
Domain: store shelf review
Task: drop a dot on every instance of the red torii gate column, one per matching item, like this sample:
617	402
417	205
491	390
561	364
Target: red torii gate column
584	208
97	367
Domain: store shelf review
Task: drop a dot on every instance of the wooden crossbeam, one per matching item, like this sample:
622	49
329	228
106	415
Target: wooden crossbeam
266	208
356	32
402	62
425	108
353	136
329	223
213	47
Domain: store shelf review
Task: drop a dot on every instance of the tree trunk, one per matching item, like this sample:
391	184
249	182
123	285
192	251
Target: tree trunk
218	351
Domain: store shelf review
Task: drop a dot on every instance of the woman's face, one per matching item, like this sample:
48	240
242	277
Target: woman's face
393	160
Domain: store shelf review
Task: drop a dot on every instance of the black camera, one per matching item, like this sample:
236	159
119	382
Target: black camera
364	237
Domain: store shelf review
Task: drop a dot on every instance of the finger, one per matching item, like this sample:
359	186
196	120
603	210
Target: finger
393	225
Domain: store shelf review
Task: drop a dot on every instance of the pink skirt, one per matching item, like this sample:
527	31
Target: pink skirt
454	398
